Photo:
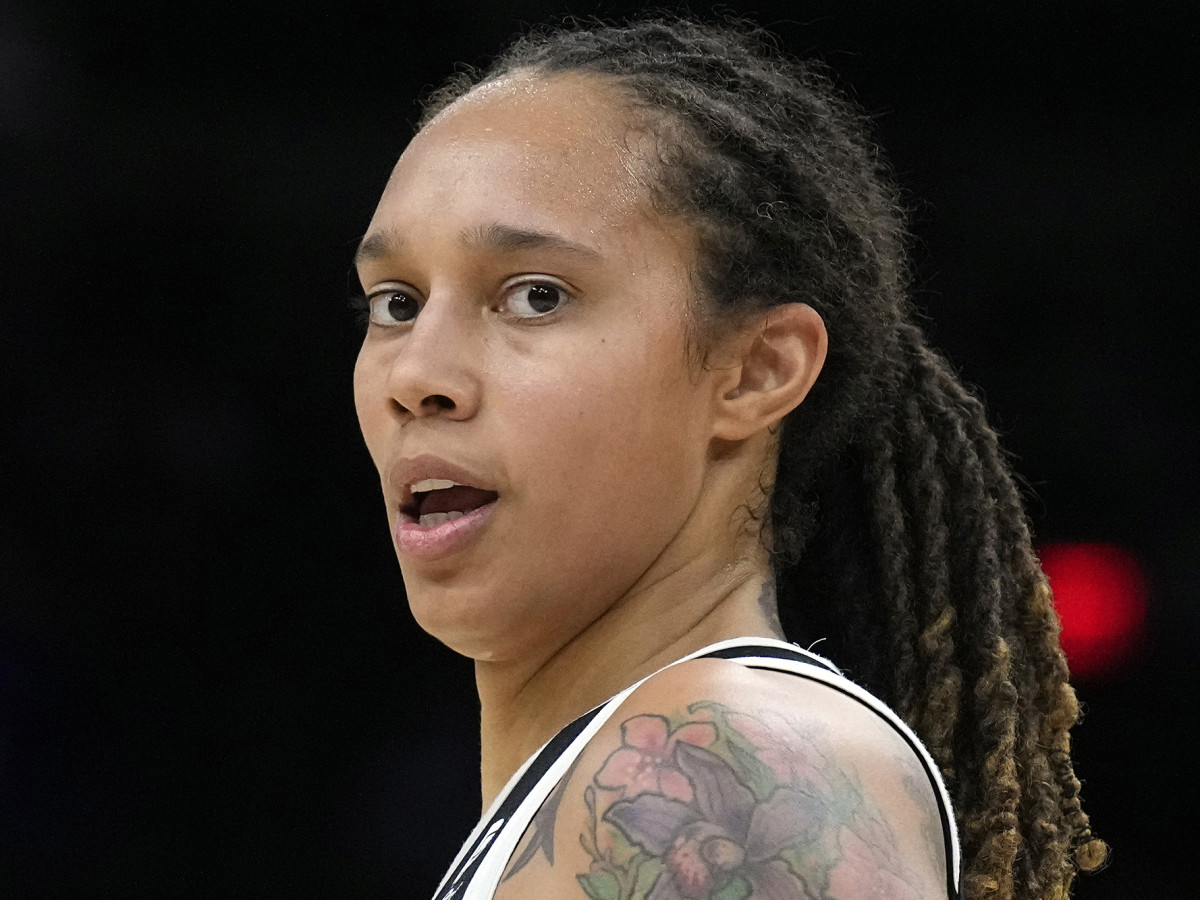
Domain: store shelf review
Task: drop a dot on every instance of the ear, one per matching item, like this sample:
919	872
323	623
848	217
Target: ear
768	369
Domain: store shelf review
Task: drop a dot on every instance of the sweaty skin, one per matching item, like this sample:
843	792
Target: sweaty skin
530	338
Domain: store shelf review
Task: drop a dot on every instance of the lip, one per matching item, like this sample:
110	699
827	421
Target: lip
407	471
437	541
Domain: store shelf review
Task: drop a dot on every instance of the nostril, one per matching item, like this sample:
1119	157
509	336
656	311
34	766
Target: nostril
434	403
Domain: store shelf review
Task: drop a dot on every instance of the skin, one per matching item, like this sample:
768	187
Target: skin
625	468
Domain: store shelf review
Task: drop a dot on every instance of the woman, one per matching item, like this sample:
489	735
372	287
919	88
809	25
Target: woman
640	380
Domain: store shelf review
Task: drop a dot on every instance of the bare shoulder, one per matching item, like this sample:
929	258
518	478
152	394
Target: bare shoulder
721	782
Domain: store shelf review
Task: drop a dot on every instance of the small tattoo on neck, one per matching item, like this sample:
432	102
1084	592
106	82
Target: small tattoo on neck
769	607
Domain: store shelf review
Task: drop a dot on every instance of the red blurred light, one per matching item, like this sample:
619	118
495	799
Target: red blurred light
1100	593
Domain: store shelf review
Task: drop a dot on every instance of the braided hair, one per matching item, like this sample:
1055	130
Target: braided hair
894	523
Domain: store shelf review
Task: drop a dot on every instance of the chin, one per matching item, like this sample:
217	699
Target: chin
472	624
482	647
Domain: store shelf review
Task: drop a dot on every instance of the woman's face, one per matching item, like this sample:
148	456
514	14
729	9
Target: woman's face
528	342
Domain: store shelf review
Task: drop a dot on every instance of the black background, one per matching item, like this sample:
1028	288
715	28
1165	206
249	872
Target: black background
209	684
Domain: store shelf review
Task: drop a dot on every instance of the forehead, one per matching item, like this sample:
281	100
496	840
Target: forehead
558	145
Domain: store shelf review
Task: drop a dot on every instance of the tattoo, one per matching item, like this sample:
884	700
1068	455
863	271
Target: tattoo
917	788
720	805
769	607
541	835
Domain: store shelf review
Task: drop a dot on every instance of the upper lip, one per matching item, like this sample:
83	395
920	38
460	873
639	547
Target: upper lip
407	471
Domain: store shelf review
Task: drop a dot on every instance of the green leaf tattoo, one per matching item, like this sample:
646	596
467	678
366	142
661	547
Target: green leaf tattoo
601	886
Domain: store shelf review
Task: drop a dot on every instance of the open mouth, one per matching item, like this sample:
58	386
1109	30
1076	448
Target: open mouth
438	500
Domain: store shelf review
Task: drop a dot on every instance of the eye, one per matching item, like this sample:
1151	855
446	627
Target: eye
392	308
535	299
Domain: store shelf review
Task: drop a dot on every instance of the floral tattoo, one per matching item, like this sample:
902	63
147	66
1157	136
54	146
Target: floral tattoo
718	805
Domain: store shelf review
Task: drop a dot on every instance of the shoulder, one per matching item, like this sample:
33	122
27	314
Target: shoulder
715	780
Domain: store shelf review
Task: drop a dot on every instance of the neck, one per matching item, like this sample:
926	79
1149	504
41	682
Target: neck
525	701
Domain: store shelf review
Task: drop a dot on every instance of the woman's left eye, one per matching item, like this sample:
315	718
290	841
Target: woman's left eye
533	300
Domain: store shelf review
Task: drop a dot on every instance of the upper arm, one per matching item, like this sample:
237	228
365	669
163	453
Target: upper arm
714	781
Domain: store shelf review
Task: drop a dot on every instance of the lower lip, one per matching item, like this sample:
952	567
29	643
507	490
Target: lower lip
439	541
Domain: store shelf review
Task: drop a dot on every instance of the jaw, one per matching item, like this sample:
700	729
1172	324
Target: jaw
624	572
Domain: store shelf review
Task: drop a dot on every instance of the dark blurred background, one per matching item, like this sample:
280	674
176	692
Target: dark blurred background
209	682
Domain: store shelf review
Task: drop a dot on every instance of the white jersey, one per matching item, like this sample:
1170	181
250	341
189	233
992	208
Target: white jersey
480	864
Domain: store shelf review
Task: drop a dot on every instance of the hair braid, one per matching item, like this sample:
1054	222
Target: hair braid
1051	709
1055	698
991	834
896	527
890	531
974	571
937	710
1046	864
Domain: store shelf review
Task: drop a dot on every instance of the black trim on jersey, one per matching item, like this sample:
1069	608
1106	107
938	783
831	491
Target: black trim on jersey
954	890
461	877
794	654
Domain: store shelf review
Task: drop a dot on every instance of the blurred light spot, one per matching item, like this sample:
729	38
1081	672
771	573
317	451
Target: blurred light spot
1100	592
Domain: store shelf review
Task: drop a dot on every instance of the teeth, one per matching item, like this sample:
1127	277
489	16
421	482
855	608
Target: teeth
433	484
430	519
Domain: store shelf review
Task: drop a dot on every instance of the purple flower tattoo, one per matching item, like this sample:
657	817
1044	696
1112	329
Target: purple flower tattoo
723	835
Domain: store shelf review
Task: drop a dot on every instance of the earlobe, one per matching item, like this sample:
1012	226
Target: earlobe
777	360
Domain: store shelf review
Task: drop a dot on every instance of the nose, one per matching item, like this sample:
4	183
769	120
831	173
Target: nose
434	371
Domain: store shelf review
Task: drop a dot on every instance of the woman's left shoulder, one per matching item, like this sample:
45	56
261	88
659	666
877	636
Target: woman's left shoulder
716	780
815	707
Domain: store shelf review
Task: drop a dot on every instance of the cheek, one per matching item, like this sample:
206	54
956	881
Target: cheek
614	437
368	402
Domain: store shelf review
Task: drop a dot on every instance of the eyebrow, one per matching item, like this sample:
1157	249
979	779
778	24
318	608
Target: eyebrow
507	239
496	237
376	246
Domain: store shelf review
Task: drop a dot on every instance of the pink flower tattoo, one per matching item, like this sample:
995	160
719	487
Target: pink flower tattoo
645	761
